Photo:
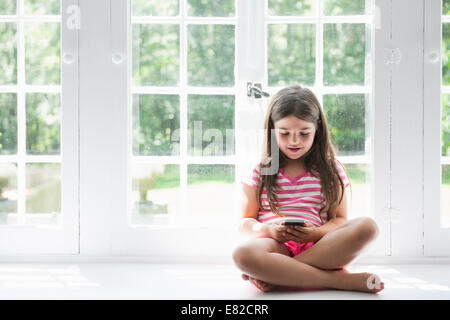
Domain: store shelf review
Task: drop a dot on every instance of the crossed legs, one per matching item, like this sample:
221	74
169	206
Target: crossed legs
266	261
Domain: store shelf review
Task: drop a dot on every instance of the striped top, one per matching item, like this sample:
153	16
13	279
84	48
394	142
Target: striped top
298	197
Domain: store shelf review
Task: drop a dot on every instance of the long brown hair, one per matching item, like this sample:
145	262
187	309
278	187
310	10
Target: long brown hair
320	159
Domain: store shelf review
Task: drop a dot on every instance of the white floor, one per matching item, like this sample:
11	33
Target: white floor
197	281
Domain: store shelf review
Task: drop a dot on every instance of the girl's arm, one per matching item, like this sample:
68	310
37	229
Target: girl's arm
338	220
249	225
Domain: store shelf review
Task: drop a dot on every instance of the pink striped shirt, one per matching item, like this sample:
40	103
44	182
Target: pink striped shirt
298	197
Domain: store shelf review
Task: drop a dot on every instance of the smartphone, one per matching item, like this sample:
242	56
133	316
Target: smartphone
294	222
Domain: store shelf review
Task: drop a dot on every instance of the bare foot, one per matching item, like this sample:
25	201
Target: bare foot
365	282
261	285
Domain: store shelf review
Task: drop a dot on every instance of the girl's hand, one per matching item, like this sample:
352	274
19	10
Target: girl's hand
278	231
308	233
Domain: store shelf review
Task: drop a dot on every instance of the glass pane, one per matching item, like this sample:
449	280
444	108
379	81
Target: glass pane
8	53
292	7
154	8
156	55
343	7
446	7
292	54
359	196
156	125
42	7
156	192
204	178
43	123
445	197
344	54
43	183
211	125
224	8
445	54
8	193
345	116
42	53
446	125
8	7
211	55
8	123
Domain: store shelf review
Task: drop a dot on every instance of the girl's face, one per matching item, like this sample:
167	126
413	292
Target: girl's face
294	136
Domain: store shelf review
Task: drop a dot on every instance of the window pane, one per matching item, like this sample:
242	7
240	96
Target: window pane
8	123
8	7
445	54
445	196
202	203
446	7
344	54
446	125
8	53
156	124
43	123
211	55
343	7
445	169
292	54
359	196
156	55
43	183
345	116
156	192
42	53
42	7
154	8
8	193
224	8
211	125
292	7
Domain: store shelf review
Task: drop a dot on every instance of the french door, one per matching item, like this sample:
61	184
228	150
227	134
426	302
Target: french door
39	127
193	131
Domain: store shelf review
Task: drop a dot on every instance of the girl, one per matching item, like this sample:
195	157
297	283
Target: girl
310	184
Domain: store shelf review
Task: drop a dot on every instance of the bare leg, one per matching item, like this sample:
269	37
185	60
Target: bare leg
340	247
273	267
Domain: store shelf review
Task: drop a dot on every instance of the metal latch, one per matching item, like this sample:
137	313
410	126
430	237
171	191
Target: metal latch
255	90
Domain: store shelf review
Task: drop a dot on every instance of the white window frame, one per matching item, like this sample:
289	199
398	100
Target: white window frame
436	239
61	238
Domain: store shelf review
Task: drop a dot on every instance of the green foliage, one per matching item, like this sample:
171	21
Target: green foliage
156	50
344	54
199	173
42	53
446	125
43	123
42	7
211	55
8	53
155	118
154	8
208	8
8	123
8	7
170	178
213	112
291	7
446	174
345	116
292	54
344	7
446	7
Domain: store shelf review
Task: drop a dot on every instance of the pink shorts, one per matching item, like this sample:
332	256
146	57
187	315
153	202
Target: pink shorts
296	248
